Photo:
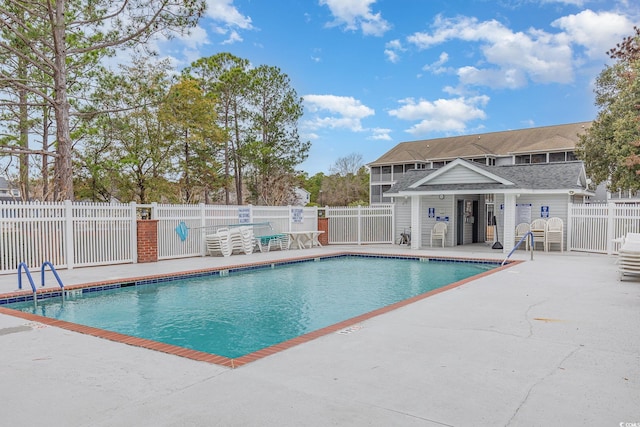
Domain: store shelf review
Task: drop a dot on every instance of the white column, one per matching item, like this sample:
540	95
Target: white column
509	223
416	223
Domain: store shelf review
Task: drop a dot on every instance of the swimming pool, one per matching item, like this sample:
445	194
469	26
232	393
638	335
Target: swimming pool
236	312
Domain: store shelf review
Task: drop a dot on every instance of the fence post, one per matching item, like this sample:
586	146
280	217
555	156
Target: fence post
203	230
134	231
68	235
359	225
610	227
570	214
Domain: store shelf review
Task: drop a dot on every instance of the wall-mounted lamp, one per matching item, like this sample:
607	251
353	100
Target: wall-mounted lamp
441	197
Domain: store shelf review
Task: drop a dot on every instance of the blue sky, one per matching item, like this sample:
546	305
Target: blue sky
374	73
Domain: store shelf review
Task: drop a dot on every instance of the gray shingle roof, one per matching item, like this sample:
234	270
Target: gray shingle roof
539	176
506	143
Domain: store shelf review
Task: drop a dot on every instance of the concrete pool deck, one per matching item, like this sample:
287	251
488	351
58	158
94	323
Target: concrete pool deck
553	341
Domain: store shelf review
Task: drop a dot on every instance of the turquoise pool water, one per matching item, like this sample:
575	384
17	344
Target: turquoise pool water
236	314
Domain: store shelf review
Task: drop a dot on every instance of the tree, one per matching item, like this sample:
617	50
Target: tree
348	184
225	76
129	151
313	185
610	148
272	147
190	116
65	39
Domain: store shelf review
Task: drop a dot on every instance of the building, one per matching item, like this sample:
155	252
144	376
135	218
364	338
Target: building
474	200
483	183
8	192
550	144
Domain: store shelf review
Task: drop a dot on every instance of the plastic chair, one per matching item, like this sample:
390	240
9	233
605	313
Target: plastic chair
521	230
554	233
539	231
439	232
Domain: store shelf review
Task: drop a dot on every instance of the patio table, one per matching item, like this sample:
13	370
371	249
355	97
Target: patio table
303	238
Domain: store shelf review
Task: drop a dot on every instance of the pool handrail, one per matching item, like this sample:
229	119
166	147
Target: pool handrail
26	270
527	234
53	270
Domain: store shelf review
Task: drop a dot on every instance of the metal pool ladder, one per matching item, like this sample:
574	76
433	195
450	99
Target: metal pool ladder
24	266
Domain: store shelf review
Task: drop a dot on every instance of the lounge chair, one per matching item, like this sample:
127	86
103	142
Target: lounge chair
554	233
219	243
629	256
539	231
521	230
439	232
272	241
241	239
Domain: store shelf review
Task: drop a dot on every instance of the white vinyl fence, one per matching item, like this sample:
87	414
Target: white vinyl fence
205	219
85	234
66	234
361	224
593	228
72	235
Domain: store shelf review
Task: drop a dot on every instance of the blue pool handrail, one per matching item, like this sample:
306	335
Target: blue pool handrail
53	270
527	234
26	270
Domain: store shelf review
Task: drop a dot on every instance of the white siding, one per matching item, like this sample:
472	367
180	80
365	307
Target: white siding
558	207
443	208
402	216
461	175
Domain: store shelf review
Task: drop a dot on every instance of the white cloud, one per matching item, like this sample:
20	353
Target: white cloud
196	37
331	111
231	20
357	15
224	11
597	32
437	66
380	134
233	38
391	50
441	115
516	56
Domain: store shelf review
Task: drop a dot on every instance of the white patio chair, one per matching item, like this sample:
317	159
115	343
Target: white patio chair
219	243
554	233
521	230
629	258
539	231
439	232
241	239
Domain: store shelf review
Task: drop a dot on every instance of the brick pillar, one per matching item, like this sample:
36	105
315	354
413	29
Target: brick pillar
323	225
147	240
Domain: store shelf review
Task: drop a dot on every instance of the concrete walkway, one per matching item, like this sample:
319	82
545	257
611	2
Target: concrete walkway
549	342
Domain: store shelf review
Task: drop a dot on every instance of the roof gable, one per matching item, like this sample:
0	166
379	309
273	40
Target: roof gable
461	172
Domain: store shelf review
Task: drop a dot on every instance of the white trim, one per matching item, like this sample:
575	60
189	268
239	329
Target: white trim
463	163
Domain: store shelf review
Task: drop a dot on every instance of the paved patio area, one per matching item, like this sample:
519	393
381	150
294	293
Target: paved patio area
553	341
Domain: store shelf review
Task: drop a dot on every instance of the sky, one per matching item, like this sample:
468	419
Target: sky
374	73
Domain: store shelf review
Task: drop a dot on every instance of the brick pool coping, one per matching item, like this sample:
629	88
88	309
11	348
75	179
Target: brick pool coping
251	357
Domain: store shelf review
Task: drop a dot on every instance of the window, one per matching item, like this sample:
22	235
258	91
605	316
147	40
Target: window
538	158
15	192
571	156
523	159
556	157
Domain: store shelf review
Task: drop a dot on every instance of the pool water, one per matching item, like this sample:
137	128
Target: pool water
247	311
